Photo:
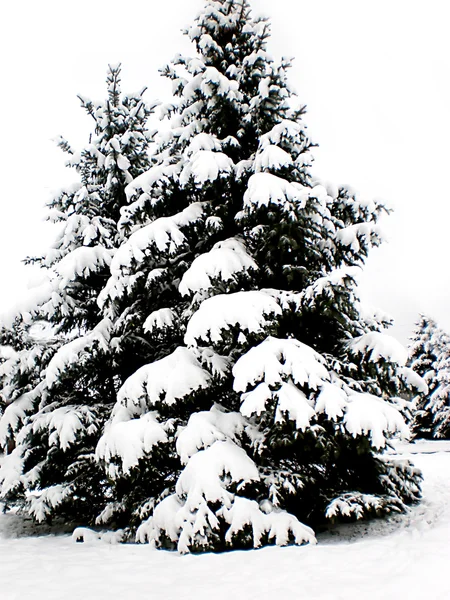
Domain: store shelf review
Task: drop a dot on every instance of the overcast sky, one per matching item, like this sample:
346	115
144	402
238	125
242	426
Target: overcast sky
374	75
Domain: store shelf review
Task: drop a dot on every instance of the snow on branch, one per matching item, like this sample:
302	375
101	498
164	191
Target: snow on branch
129	442
189	520
272	158
332	401
83	261
275	360
412	380
376	345
354	505
223	262
294	404
42	503
187	517
74	351
164	234
11	470
272	369
159	320
286	130
201	479
326	285
368	415
206	165
279	526
219	366
64	424
250	311
144	183
211	82
203	141
14	416
278	374
264	189
206	427
167	380
353	235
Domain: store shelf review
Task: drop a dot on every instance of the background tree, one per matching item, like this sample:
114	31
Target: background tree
430	358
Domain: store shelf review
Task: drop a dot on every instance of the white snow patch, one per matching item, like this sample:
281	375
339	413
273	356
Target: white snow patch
206	165
206	427
129	441
82	262
264	189
380	345
272	157
167	380
223	262
250	311
275	360
368	415
159	320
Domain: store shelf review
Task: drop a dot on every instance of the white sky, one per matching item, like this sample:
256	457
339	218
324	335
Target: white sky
374	75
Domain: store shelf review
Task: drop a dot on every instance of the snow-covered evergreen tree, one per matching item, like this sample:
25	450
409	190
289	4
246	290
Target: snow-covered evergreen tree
265	393
256	394
430	358
440	400
59	380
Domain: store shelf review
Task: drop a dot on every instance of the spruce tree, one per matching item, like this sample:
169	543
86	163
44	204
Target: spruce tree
440	399
266	392
59	381
430	358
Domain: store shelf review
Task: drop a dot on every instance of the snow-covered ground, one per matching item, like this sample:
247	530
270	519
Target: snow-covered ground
404	557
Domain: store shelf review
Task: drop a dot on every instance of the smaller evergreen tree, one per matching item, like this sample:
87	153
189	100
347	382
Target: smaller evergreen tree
440	398
430	357
54	387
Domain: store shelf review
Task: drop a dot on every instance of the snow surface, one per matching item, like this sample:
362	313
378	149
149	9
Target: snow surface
406	556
